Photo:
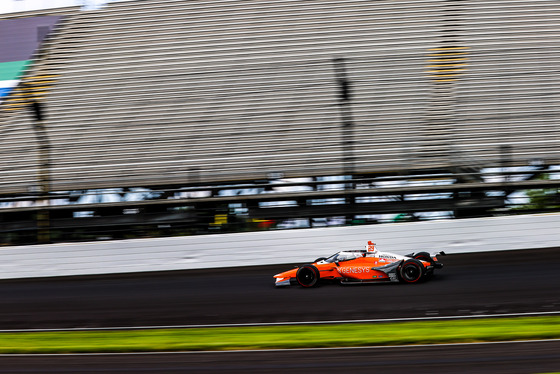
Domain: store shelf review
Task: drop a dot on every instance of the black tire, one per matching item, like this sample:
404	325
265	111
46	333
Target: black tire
412	271
424	256
320	259
308	276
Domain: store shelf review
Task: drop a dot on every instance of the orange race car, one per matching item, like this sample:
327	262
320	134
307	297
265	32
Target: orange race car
363	266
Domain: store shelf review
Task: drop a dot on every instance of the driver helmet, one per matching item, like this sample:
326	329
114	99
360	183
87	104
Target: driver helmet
342	256
371	247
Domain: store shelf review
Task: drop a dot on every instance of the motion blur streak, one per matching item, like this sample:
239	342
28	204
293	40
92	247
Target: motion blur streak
289	323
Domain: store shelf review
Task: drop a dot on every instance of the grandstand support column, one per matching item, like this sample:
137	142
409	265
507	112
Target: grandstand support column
347	127
505	160
43	215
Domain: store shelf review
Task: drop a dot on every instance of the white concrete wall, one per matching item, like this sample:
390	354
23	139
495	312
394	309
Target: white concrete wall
276	247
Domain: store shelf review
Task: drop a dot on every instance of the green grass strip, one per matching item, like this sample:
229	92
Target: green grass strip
268	337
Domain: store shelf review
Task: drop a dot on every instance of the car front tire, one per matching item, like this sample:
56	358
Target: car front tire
308	276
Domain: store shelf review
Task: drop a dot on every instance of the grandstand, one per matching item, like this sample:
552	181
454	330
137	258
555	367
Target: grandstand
167	94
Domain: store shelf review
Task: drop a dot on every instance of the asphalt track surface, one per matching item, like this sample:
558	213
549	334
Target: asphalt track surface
469	284
483	283
505	358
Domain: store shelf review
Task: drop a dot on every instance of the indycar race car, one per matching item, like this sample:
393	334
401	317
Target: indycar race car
363	266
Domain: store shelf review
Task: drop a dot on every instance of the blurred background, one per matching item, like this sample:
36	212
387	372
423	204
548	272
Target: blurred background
143	118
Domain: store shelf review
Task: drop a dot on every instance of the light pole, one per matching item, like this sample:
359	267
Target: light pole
347	130
346	116
43	215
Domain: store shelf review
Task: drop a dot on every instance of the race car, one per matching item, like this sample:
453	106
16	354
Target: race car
363	266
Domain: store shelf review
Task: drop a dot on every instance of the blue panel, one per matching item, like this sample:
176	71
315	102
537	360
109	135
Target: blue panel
5	91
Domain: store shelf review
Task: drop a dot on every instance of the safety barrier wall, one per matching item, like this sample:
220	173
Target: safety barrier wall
277	247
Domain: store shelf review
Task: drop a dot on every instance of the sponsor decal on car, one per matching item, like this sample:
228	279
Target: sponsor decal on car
355	270
388	257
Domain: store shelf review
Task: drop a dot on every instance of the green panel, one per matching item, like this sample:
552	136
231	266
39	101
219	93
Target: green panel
12	70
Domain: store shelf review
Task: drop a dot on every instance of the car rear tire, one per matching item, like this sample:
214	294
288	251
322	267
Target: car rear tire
412	271
424	256
308	276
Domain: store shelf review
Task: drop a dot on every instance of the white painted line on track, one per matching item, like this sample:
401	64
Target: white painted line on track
331	322
376	347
